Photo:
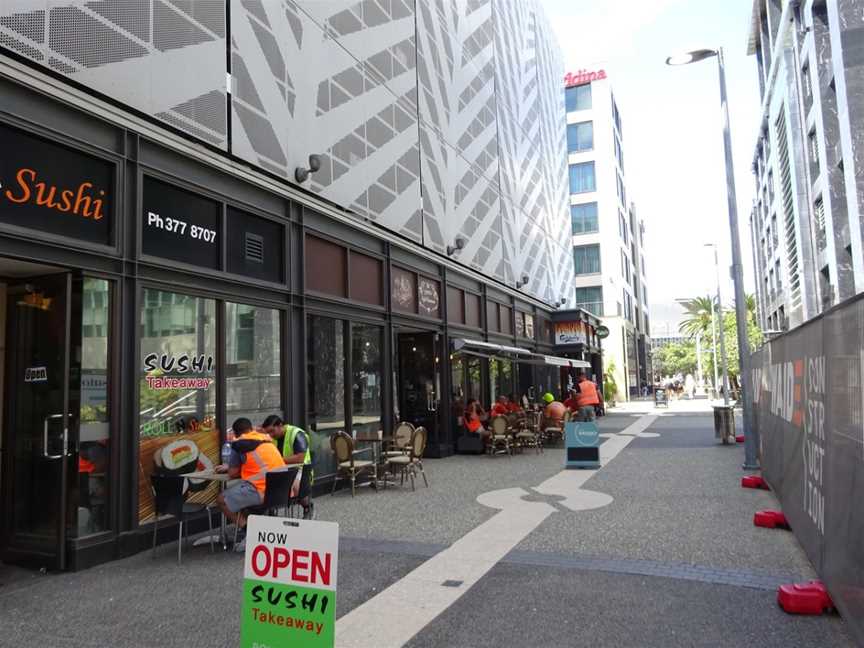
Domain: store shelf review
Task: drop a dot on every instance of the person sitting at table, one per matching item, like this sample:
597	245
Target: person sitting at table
253	455
572	403
500	408
293	443
554	410
474	417
513	404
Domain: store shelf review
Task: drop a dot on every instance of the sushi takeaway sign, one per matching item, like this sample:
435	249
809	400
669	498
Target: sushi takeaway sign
289	583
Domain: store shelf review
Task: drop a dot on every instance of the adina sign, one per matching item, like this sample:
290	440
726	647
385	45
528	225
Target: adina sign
583	76
289	588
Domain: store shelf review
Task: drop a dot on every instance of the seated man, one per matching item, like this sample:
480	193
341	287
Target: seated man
293	443
572	402
500	407
253	455
513	406
474	417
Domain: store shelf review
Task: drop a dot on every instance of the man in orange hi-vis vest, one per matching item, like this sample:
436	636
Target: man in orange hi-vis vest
253	454
587	398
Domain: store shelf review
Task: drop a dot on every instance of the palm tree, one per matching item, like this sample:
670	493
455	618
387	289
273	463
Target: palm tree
698	316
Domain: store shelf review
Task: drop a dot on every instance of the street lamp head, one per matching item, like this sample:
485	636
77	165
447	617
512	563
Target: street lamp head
690	57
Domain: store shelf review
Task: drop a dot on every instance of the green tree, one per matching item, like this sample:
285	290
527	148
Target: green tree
676	358
610	387
730	333
697	316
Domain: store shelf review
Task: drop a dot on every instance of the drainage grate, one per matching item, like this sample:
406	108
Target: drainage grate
452	583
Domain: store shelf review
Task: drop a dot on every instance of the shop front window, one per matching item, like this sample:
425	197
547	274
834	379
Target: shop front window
500	379
325	384
474	384
457	384
177	393
366	370
252	362
94	432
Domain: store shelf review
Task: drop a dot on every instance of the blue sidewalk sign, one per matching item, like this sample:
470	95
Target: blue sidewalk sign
582	444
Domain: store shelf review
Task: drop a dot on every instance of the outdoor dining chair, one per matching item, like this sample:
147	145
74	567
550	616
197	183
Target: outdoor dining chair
169	499
500	436
401	440
526	433
412	462
277	494
347	462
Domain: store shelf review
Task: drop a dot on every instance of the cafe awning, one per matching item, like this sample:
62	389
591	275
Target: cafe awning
564	362
466	345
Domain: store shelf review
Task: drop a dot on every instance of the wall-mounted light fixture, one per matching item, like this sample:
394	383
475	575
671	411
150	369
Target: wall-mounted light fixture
523	281
458	244
301	174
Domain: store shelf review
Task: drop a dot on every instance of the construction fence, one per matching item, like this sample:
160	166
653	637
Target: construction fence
809	409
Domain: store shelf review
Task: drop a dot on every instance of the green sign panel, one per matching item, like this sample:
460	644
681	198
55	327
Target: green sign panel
602	332
289	587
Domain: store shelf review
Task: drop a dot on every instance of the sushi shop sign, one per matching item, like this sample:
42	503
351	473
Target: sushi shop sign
289	587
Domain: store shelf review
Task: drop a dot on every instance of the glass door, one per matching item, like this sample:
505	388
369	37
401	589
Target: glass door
420	382
40	434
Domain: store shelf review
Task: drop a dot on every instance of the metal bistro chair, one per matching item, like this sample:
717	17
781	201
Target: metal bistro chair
413	461
169	499
527	434
500	436
277	494
552	430
401	440
346	461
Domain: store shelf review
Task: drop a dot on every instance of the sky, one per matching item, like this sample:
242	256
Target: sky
672	128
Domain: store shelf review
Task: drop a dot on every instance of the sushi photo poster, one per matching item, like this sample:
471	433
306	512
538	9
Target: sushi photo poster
289	583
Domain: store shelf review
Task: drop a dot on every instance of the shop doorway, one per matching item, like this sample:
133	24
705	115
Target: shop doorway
419	384
39	432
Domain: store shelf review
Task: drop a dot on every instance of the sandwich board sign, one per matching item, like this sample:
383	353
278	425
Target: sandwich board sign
289	583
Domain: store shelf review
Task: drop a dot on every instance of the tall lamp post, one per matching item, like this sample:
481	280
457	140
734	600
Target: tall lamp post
722	332
751	434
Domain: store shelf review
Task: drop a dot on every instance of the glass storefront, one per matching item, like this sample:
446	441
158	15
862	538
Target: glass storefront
177	392
500	379
94	448
366	368
325	386
252	363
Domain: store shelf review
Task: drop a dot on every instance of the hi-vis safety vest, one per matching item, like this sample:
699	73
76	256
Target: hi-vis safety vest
587	394
263	458
291	432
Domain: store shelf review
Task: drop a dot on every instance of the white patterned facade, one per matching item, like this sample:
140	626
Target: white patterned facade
437	120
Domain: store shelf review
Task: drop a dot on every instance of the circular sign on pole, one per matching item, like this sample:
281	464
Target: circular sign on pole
602	332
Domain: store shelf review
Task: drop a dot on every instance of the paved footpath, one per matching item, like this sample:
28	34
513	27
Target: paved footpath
657	548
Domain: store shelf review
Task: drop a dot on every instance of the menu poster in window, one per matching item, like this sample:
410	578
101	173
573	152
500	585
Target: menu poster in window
529	326
429	297
55	189
404	290
181	226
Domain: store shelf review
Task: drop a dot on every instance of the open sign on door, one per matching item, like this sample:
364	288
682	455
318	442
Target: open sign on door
35	374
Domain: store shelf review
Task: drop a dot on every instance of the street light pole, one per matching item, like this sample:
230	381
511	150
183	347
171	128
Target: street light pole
751	434
722	333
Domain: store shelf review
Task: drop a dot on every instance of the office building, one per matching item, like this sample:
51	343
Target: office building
607	233
346	213
806	222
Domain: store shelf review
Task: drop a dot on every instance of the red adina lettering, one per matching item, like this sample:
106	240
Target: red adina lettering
583	76
85	200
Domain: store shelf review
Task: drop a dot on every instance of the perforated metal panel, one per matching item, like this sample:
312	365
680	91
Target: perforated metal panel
166	59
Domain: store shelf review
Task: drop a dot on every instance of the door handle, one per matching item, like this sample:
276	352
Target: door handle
45	437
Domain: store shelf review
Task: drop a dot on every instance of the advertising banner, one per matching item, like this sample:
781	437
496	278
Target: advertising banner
289	586
809	400
571	333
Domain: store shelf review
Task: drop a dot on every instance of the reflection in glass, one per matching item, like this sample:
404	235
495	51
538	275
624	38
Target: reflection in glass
473	384
94	431
366	343
500	379
252	362
457	384
325	383
177	403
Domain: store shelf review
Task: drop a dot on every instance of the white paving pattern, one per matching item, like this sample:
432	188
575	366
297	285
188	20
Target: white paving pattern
398	613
